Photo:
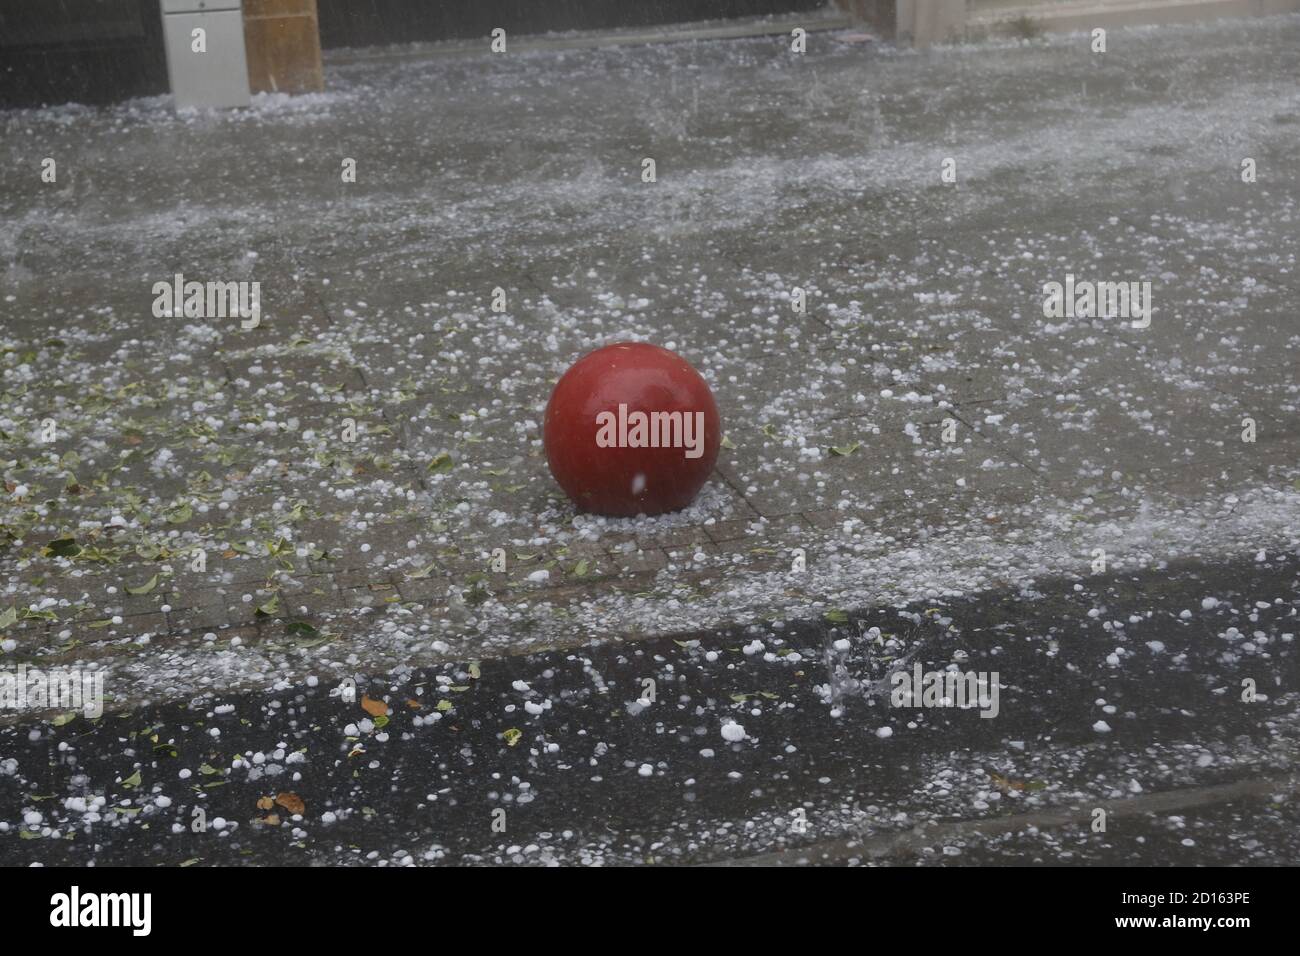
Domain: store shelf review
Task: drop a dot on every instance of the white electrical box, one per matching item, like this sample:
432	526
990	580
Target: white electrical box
205	52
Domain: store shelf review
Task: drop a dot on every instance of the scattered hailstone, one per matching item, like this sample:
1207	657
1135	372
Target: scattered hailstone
1101	727
733	732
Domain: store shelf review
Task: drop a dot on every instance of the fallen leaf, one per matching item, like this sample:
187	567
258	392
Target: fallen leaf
375	708
62	548
291	802
143	588
265	803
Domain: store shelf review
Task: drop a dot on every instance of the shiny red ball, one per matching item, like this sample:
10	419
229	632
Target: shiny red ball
631	429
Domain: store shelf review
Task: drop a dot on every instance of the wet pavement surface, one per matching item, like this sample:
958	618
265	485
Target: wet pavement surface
1111	691
199	528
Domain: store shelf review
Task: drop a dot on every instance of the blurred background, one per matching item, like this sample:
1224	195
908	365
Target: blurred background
98	51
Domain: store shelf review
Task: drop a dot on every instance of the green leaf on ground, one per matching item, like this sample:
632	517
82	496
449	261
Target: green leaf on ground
133	780
441	463
143	588
836	616
62	548
843	451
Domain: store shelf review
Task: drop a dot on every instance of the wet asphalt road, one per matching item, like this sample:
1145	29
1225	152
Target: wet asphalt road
591	776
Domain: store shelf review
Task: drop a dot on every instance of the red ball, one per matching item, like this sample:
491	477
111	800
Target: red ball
631	429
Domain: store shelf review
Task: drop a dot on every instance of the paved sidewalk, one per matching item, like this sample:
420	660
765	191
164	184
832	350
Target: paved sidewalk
774	171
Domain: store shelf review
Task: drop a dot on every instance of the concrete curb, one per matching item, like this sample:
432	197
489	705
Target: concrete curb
924	22
1090	14
909	842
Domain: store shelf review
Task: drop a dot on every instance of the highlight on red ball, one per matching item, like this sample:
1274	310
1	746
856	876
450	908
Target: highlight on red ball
631	429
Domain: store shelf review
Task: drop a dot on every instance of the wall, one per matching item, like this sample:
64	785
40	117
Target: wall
80	51
371	22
